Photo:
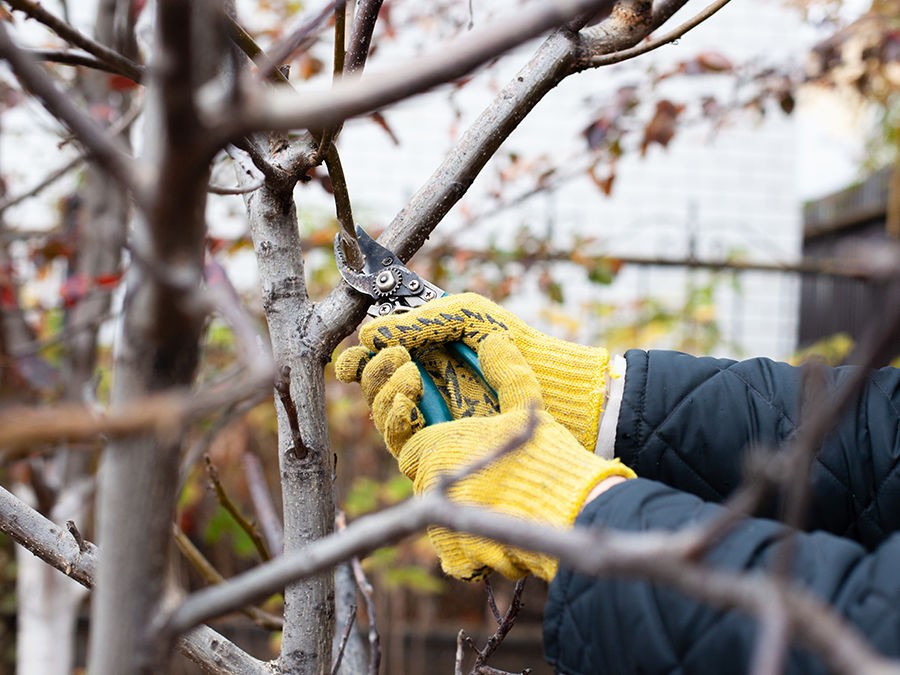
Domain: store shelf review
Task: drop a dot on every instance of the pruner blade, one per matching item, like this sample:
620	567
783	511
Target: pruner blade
392	286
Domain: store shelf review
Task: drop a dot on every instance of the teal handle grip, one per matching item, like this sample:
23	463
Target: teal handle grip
433	407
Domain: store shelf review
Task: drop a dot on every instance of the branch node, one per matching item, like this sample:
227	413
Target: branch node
76	535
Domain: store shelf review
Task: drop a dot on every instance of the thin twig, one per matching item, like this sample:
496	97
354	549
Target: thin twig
46	182
21	429
460	652
206	569
114	59
296	40
343	207
116	128
245	42
345	638
361	36
246	525
279	109
70	58
492	601
283	387
368	593
671	36
505	624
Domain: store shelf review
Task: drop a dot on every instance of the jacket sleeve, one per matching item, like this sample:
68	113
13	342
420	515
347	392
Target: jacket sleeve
688	422
594	625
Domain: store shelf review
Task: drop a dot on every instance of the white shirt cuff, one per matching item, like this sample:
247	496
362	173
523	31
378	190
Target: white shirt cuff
609	417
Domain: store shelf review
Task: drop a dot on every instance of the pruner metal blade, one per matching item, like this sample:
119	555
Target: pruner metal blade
392	286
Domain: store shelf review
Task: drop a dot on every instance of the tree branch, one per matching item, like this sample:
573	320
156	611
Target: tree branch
52	544
282	110
654	556
361	35
95	141
70	58
673	35
226	502
113	59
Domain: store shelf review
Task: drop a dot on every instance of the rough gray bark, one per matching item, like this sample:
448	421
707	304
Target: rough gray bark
57	548
306	472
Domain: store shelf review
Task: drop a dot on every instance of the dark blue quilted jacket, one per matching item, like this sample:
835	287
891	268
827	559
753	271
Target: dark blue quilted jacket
684	426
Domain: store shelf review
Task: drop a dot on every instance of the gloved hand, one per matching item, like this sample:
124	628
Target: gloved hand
572	377
546	479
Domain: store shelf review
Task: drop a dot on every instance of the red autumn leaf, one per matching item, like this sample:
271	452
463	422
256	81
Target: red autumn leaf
662	127
379	119
605	183
121	83
108	281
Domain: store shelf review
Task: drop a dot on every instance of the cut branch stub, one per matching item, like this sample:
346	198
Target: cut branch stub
283	387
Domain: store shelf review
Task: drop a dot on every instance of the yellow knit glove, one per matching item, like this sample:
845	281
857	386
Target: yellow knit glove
572	377
546	479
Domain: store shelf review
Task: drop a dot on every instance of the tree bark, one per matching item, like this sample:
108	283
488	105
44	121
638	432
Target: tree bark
158	349
306	471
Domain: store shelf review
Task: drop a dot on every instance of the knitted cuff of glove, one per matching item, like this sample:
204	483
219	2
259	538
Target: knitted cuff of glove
573	381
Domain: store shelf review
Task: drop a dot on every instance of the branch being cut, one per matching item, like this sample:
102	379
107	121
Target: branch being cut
50	543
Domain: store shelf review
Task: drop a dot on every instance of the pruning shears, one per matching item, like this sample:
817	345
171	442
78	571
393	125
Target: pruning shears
393	288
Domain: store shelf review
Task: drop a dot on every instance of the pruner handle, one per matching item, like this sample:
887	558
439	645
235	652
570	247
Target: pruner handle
433	407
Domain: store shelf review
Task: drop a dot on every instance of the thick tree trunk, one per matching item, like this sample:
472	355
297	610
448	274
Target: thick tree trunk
157	350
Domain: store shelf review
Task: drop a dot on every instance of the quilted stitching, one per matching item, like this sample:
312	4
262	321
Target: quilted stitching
676	409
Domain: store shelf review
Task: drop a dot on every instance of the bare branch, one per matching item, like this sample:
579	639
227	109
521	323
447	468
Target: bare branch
281	110
113	59
162	414
650	45
343	208
227	503
361	36
70	58
52	544
629	22
212	576
345	638
238	190
95	141
283	387
113	131
298	39
655	556
365	588
504	624
46	182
